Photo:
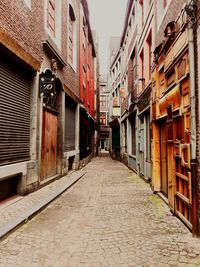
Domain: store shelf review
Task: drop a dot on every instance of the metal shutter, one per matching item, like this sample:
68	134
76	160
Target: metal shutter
70	116
14	114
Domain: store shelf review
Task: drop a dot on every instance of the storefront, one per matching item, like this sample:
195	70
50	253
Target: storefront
171	126
15	124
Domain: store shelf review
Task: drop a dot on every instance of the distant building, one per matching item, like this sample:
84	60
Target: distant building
114	83
104	112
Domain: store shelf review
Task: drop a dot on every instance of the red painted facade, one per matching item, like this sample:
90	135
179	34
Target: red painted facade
87	55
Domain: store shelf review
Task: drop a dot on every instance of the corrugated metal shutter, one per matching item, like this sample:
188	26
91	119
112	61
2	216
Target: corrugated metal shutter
14	114
70	116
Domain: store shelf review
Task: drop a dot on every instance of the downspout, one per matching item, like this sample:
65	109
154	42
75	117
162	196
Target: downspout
192	89
190	10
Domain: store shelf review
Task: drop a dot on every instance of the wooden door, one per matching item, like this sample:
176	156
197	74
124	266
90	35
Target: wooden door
183	183
163	157
49	145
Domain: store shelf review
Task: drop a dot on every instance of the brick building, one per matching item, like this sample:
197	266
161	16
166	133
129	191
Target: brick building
172	109
158	136
87	83
114	89
134	85
104	112
40	92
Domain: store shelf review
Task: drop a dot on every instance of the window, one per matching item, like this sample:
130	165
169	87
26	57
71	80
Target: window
103	118
51	16
149	47
102	88
103	101
141	78
71	35
171	77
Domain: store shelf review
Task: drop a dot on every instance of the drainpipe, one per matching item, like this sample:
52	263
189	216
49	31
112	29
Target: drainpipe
192	90
190	10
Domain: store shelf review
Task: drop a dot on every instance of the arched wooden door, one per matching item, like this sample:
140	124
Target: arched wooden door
49	144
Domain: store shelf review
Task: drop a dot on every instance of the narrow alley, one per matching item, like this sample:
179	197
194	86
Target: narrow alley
110	217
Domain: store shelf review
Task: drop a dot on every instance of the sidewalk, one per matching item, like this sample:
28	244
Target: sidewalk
19	209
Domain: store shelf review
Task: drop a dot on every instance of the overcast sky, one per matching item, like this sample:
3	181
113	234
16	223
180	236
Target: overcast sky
107	19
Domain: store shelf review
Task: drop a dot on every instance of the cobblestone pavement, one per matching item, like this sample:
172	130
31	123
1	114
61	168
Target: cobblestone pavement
17	210
109	218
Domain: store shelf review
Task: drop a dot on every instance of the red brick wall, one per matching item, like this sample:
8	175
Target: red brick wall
86	59
27	27
70	76
21	24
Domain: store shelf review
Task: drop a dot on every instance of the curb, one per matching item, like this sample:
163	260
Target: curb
21	219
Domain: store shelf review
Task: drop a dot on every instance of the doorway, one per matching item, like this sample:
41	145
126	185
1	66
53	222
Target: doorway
163	159
49	144
102	144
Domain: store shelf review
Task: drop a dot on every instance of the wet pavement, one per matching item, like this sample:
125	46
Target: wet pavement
108	218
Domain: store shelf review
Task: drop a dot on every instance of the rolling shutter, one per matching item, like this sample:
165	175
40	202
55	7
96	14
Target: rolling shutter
14	114
70	116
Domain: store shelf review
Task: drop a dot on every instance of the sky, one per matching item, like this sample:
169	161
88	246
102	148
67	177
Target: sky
107	19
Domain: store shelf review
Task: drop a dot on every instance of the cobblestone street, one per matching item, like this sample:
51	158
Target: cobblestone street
109	218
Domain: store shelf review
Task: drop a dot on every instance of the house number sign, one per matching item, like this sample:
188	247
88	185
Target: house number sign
47	86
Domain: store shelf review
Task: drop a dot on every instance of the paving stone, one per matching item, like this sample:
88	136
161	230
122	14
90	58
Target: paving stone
108	218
